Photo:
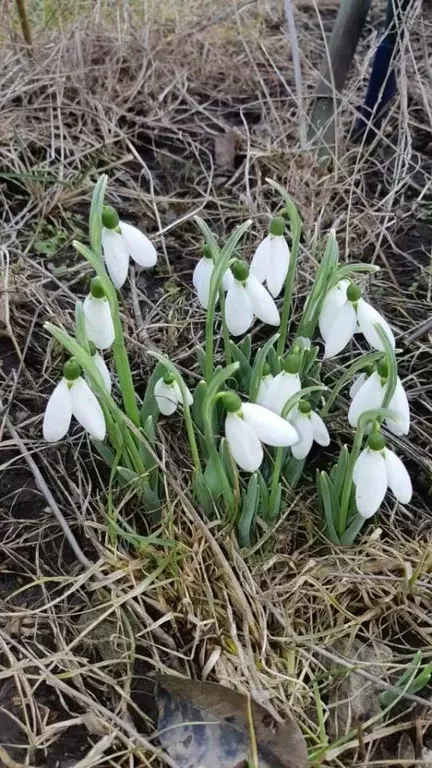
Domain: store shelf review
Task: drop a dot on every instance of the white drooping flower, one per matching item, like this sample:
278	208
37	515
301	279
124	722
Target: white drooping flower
103	370
309	427
72	397
377	469
97	316
370	395
246	299
344	313
357	384
283	386
121	241
168	395
248	425
271	259
265	382
202	275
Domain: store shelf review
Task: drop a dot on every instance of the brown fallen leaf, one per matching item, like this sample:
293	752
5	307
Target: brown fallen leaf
206	725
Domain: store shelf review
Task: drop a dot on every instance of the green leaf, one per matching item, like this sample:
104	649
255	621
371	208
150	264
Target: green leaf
338	472
350	534
80	329
203	495
149	406
106	453
244	371
275	510
257	369
212	480
246	346
200	355
273	361
149	461
293	470
200	395
331	512
264	499
140	486
228	464
95	218
249	508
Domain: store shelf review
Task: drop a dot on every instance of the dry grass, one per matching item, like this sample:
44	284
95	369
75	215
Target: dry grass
142	94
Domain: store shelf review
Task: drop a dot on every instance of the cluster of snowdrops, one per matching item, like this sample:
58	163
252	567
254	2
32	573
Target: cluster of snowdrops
257	407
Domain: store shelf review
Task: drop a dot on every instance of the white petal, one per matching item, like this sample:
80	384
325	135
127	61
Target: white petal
98	322
58	413
166	397
138	245
367	318
86	409
201	280
333	302
189	397
103	370
244	445
357	383
320	431
341	331
399	404
263	387
268	426
116	256
262	303
304	430
279	263
280	389
368	397
370	478
398	478
238	309
227	280
261	262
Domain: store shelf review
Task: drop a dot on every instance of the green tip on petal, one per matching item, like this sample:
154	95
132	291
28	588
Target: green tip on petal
206	251
353	292
240	270
382	369
369	370
71	370
168	379
92	349
266	370
231	402
304	407
110	218
376	441
96	288
277	226
292	364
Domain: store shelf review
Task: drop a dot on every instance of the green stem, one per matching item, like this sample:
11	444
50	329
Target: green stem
225	331
346	492
277	468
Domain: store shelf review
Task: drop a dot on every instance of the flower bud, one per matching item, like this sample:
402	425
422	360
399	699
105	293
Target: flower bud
96	288
231	402
277	226
71	370
304	407
382	369
376	441
168	379
266	370
292	364
206	251
240	270
110	218
353	292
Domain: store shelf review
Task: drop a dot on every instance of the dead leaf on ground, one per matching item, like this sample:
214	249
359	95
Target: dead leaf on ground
207	725
355	699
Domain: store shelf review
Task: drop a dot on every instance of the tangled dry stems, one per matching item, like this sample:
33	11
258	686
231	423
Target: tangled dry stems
145	102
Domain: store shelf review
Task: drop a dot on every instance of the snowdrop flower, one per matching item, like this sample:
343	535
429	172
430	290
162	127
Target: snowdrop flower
358	383
121	241
247	299
97	316
101	366
342	311
309	427
272	257
72	397
286	384
168	394
248	425
376	469
266	379
202	275
370	395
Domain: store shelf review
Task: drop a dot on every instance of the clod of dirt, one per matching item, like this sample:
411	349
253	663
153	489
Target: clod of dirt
356	700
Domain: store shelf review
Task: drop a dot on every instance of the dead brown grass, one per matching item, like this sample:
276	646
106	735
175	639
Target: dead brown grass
143	99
